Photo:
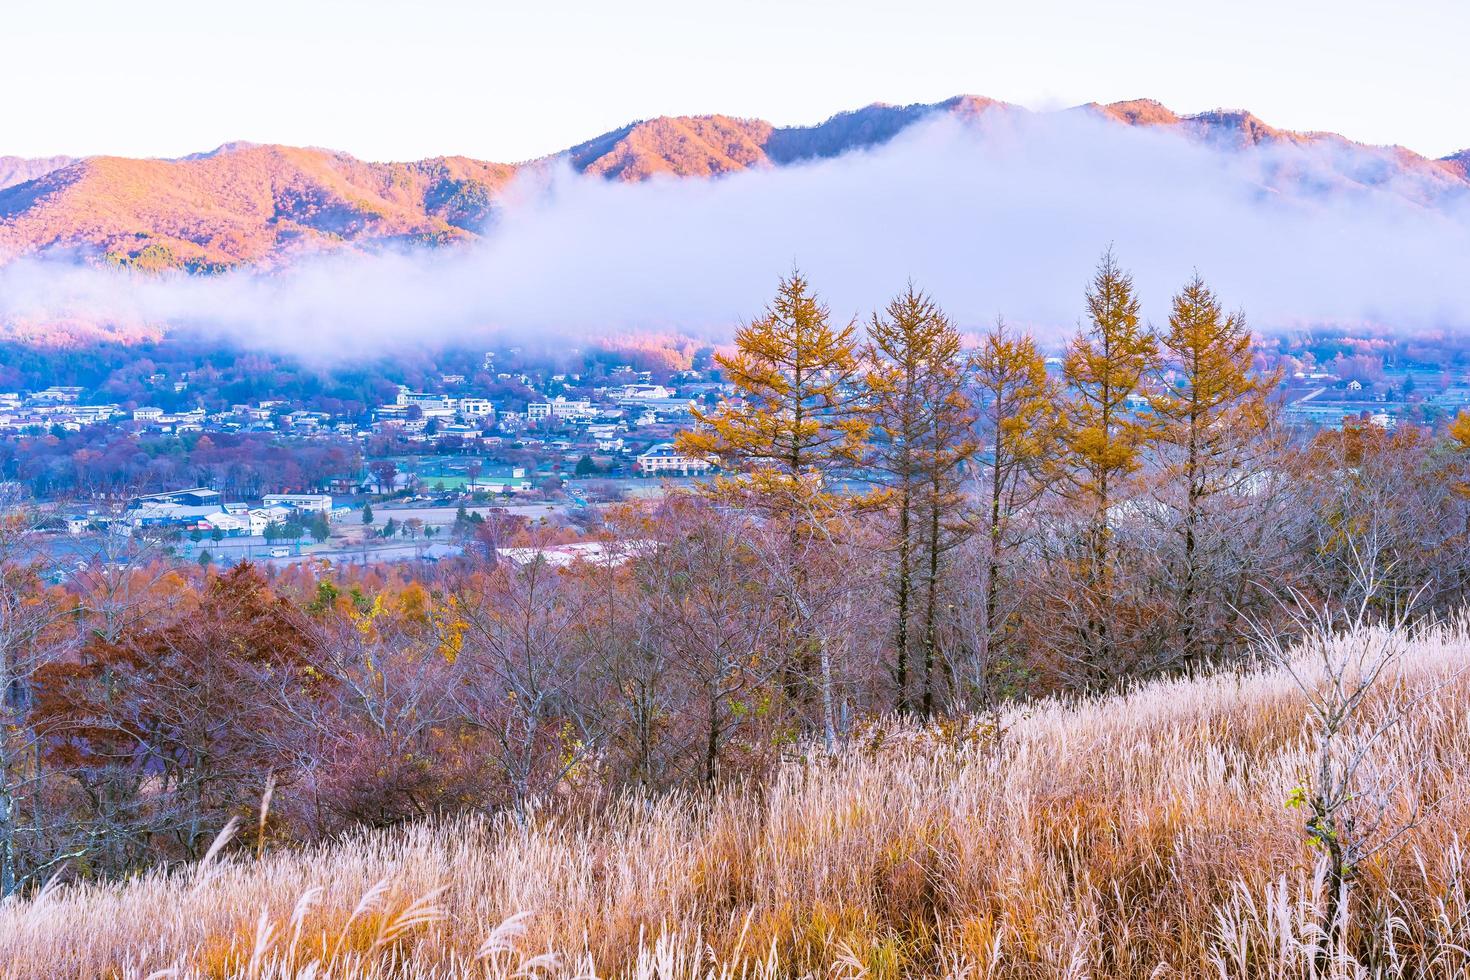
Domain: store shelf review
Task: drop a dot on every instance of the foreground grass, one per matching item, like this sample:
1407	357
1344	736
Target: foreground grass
1144	835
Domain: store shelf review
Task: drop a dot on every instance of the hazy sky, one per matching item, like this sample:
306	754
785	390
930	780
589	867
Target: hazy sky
509	81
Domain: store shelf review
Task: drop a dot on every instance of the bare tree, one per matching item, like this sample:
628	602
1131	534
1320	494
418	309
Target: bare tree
1348	670
31	637
524	671
711	613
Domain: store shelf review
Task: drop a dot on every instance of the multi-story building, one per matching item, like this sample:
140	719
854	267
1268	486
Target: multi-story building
476	407
562	408
663	459
319	503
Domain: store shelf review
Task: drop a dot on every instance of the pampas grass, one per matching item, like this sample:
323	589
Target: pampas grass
1147	834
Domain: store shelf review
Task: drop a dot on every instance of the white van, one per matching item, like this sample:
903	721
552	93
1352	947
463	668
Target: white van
280	552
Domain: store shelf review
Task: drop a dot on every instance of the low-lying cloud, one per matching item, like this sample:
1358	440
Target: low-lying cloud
1006	216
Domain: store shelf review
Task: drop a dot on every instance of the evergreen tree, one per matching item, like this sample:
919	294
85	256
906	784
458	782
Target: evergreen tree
797	423
1103	436
922	425
1211	415
796	427
1017	428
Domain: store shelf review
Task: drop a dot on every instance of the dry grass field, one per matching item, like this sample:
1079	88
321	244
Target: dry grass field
1157	833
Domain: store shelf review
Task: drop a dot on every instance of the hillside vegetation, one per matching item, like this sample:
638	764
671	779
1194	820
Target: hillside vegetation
1157	833
242	204
248	204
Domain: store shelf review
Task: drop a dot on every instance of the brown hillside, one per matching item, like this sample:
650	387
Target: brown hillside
683	146
245	203
1458	164
710	146
1137	112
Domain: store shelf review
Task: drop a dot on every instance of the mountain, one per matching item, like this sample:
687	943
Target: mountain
18	170
708	146
244	203
1459	164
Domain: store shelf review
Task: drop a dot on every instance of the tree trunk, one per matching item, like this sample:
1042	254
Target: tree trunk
931	599
905	587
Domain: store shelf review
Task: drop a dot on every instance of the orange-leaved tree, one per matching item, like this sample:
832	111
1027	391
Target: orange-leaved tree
1459	433
923	426
1017	428
1103	435
1212	412
795	426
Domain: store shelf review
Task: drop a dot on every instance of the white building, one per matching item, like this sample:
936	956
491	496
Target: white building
313	503
263	517
662	459
229	525
562	408
476	407
428	402
645	392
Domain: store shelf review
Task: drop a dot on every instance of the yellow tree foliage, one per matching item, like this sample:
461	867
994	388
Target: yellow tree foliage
1214	404
1460	430
1017	424
797	420
1459	433
1106	364
924	427
797	423
1210	419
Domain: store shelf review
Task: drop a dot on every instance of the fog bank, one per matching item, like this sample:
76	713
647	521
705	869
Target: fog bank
1004	216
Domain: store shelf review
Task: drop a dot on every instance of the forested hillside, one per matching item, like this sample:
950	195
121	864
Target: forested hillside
244	204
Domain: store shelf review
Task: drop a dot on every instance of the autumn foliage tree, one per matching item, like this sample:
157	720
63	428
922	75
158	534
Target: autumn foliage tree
922	428
795	427
796	422
156	725
1016	426
33	639
1211	415
1103	440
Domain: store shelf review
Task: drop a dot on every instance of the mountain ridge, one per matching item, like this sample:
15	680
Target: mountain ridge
245	203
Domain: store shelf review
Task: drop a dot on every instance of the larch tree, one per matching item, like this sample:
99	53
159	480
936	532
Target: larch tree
797	424
797	421
1212	415
1016	427
1459	438
922	425
1103	437
1459	430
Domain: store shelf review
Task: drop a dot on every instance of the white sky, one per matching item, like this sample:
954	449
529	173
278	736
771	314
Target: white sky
509	81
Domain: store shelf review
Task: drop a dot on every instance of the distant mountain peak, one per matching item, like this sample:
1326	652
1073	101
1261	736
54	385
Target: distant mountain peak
245	202
1137	112
1458	163
233	146
18	170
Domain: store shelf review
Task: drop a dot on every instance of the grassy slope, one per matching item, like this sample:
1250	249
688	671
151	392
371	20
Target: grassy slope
1142	835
